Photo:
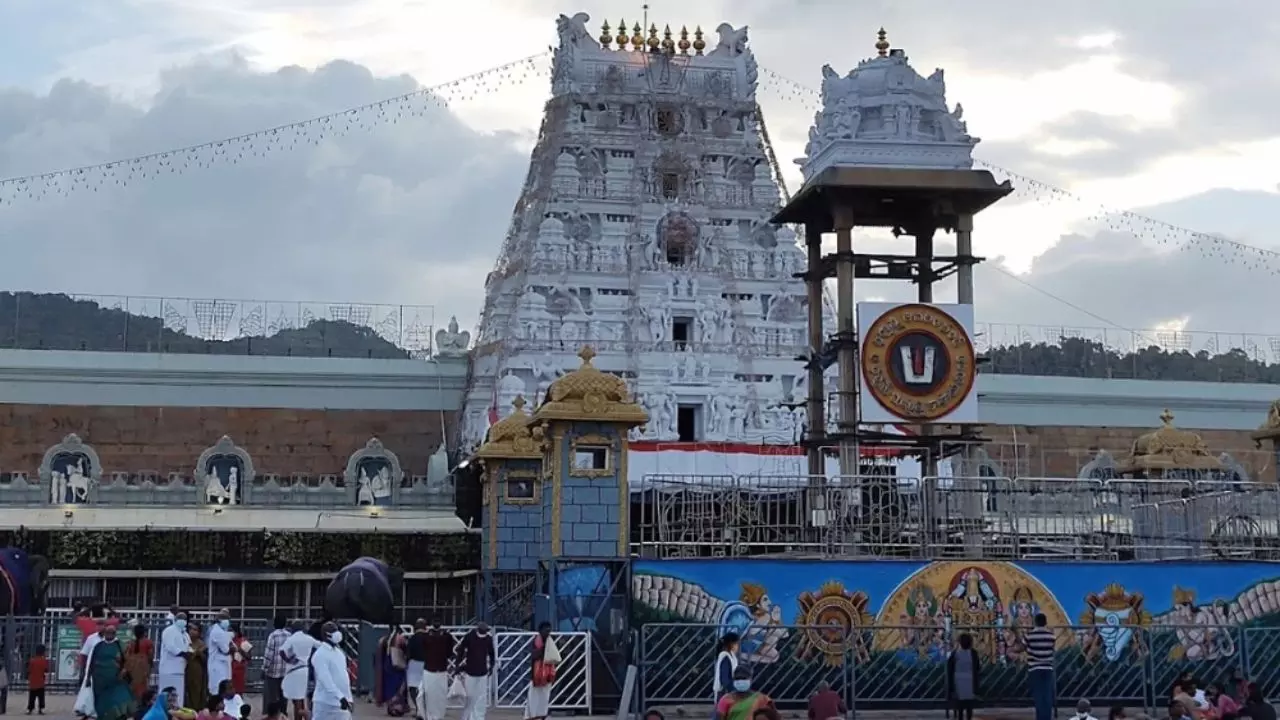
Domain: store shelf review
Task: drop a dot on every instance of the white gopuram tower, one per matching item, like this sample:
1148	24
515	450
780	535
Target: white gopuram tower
643	230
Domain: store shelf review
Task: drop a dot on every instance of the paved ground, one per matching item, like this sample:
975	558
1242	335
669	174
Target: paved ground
59	707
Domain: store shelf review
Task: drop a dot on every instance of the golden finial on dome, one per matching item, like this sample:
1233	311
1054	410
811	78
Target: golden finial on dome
637	38
882	43
684	40
654	42
518	403
698	43
586	354
668	44
606	35
1166	418
622	34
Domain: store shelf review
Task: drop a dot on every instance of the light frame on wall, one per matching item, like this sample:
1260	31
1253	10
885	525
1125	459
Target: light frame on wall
592	442
534	479
943	390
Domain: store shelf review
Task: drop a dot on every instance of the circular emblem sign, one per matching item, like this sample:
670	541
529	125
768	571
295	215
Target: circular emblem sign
918	362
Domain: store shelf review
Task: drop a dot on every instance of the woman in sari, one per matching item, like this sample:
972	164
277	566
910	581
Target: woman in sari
197	673
138	656
390	685
239	662
741	702
112	696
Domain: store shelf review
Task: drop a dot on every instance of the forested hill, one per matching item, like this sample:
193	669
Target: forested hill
39	321
58	322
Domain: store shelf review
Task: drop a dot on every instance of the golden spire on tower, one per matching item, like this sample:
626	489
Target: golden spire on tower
668	45
684	40
654	42
622	34
637	39
606	35
698	43
882	43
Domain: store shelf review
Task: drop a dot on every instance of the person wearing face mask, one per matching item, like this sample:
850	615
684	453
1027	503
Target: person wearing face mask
296	652
112	696
175	648
332	699
219	642
742	703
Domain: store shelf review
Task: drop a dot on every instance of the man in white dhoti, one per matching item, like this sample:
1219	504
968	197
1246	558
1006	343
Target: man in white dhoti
219	643
175	648
296	653
476	658
433	692
542	676
333	699
416	650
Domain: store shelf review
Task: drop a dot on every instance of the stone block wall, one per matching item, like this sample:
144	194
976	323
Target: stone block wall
168	439
592	517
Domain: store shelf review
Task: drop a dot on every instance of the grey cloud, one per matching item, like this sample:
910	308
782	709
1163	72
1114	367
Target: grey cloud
1130	281
398	212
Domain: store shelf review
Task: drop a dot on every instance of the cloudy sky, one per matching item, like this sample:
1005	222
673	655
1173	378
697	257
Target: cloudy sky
1163	107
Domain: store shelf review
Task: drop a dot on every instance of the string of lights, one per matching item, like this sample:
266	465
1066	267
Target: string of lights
263	142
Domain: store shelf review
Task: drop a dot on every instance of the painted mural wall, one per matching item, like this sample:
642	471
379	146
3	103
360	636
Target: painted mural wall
898	618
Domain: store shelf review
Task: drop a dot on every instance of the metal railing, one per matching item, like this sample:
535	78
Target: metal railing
214	326
945	517
905	665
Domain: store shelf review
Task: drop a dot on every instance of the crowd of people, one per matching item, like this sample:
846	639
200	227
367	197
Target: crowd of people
419	672
200	672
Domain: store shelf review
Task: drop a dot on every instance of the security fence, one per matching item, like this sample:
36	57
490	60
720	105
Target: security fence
901	665
942	517
62	641
512	672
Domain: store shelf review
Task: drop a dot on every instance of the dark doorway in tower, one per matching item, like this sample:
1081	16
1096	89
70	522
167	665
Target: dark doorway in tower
687	423
680	330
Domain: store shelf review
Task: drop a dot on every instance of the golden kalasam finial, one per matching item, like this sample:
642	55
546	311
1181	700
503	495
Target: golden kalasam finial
586	354
882	43
606	35
668	44
654	42
637	38
684	40
698	43
518	403
1166	417
622	34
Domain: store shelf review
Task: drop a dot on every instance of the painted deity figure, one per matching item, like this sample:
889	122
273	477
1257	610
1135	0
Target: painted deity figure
760	643
924	630
1019	621
364	493
1200	631
974	602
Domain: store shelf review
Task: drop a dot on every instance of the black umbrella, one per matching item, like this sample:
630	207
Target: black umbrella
367	589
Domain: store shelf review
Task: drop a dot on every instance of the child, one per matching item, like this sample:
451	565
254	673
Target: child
37	676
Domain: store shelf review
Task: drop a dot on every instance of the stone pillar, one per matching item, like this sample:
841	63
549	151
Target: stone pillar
847	330
924	265
964	249
816	401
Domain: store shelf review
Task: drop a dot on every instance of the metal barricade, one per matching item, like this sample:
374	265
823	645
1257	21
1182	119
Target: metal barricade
572	689
888	666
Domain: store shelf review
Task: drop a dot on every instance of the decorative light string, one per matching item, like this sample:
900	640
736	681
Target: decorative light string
260	143
1141	226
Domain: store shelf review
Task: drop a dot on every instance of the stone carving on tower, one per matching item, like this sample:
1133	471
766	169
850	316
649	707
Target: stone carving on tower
884	113
643	230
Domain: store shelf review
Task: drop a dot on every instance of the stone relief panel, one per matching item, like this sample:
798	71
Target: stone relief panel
373	474
224	474
72	471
